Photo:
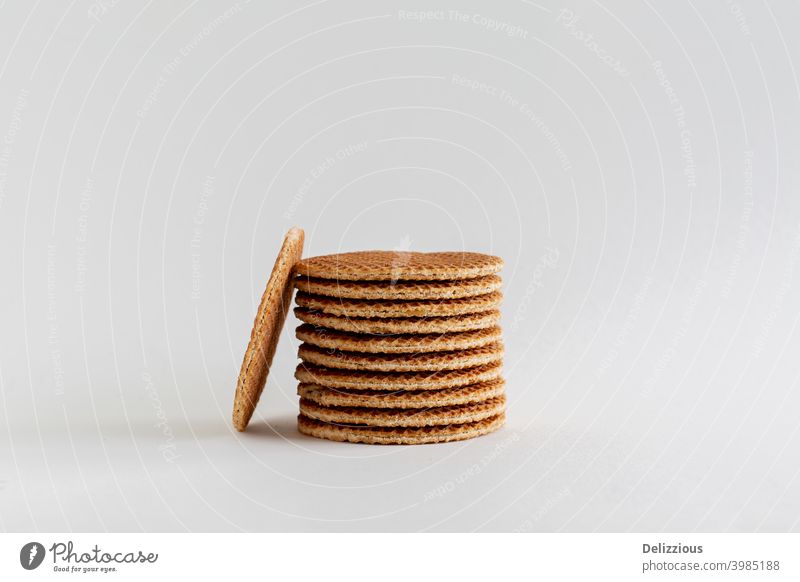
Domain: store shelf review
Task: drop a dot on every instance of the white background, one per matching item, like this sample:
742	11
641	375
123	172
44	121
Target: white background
635	164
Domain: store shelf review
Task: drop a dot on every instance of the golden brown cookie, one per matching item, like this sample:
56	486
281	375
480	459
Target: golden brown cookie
401	398
401	362
269	320
441	415
400	266
398	308
467	322
399	435
366	380
388	290
397	344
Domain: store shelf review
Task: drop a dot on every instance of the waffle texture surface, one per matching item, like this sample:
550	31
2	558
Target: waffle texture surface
266	331
416	362
398	435
395	325
441	415
400	266
401	398
399	308
397	344
368	380
399	289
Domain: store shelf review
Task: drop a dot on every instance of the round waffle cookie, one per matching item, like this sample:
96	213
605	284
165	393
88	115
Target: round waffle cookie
264	337
400	265
366	380
398	435
467	322
456	414
397	344
398	289
401	398
454	360
399	308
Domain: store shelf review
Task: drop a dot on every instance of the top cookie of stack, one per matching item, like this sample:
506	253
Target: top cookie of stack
399	347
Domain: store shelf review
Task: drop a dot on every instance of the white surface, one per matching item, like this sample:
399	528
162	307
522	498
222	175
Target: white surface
648	214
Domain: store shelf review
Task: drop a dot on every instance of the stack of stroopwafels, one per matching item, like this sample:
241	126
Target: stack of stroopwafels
399	347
